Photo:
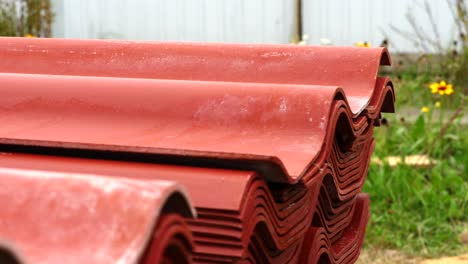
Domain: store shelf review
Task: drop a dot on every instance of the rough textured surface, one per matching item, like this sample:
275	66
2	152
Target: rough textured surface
273	143
283	123
354	69
75	218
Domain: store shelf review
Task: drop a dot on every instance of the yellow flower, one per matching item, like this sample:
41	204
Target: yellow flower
28	36
425	109
437	104
364	44
442	88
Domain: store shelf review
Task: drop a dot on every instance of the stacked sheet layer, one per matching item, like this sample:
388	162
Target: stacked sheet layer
271	142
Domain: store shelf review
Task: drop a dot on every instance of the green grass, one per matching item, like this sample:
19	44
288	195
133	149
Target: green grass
420	211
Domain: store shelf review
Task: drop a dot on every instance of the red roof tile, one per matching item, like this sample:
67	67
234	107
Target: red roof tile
81	218
352	68
272	142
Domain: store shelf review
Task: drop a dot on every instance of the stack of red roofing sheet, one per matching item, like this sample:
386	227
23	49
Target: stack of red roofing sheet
272	142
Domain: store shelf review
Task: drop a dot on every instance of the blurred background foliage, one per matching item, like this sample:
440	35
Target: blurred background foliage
450	65
32	18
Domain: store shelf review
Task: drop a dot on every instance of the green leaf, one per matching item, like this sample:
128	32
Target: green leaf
419	128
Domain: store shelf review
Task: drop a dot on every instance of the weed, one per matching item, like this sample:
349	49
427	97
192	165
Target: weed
420	211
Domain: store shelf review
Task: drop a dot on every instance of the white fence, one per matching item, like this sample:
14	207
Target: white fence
190	20
343	22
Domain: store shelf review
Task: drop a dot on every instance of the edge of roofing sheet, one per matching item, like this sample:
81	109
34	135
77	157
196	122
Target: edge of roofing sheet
163	192
9	253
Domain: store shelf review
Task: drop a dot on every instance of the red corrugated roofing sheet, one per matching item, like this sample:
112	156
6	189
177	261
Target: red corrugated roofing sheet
318	248
272	142
233	209
54	217
283	126
8	253
352	68
170	243
280	124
